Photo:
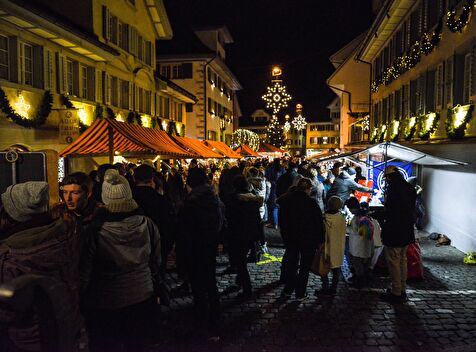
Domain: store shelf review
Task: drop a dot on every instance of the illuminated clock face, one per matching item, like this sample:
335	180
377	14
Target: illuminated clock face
276	97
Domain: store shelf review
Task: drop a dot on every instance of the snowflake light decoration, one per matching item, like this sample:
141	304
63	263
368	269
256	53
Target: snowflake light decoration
287	126
299	122
276	98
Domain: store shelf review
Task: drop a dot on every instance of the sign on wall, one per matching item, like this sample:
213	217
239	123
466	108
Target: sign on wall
68	125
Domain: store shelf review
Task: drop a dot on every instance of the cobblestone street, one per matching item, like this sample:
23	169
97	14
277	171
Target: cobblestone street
439	316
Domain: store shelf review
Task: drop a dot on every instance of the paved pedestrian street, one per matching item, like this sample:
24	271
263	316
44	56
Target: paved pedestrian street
439	316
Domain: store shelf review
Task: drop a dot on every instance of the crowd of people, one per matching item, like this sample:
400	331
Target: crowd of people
110	236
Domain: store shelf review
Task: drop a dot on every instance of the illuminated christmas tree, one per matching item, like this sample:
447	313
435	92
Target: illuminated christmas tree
274	133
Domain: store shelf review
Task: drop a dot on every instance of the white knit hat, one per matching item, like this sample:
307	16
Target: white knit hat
23	200
116	193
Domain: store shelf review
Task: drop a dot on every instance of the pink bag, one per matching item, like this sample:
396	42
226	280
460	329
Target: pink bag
414	263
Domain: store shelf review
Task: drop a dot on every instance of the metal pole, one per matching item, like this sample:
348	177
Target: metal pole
110	135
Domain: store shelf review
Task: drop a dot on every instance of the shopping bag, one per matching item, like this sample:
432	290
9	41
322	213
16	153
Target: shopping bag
320	265
414	263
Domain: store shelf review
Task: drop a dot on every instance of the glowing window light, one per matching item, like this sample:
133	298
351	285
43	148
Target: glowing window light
396	124
145	121
83	116
120	118
459	116
429	120
412	121
22	107
164	125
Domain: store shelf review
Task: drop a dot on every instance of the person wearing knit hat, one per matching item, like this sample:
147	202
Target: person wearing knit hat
120	271
116	193
23	201
32	242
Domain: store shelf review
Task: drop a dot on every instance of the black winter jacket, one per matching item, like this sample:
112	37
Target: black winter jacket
300	220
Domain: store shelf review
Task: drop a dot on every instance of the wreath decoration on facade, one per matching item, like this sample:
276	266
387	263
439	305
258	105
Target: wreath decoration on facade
132	117
39	119
428	124
457	132
457	23
69	105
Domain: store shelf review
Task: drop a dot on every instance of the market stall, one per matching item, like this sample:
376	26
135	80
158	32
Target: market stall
197	147
246	151
107	137
268	150
222	148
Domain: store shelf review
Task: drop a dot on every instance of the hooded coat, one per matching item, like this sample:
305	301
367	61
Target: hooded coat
120	261
44	247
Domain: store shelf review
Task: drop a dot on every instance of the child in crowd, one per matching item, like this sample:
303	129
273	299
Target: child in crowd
360	240
335	228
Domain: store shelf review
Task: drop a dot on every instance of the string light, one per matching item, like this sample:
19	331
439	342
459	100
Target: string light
458	24
274	133
245	137
286	126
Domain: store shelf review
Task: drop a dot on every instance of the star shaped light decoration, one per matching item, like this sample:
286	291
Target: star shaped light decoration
299	122
22	107
276	98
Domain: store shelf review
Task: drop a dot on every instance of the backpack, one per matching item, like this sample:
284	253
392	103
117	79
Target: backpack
365	228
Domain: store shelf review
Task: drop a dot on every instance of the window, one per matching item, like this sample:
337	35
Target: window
449	82
179	112
415	31
398	105
26	64
114	91
123	36
140	48
212	135
113	29
84	81
413	97
430	92
188	107
165	71
406	101
148	105
4	57
124	94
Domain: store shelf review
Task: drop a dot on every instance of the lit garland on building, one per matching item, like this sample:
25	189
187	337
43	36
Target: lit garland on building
39	119
428	125
276	97
274	133
457	24
245	137
457	120
410	59
299	122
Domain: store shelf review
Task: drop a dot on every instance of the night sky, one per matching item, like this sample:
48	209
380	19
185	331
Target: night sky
298	35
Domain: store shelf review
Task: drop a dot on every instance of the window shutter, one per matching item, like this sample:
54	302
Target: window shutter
439	87
76	78
38	77
48	69
449	82
421	94
13	58
131	96
62	73
91	83
467	81
107	89
105	23
98	86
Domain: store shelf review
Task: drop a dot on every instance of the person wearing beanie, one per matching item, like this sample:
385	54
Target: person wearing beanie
200	221
119	271
32	242
344	184
334	246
